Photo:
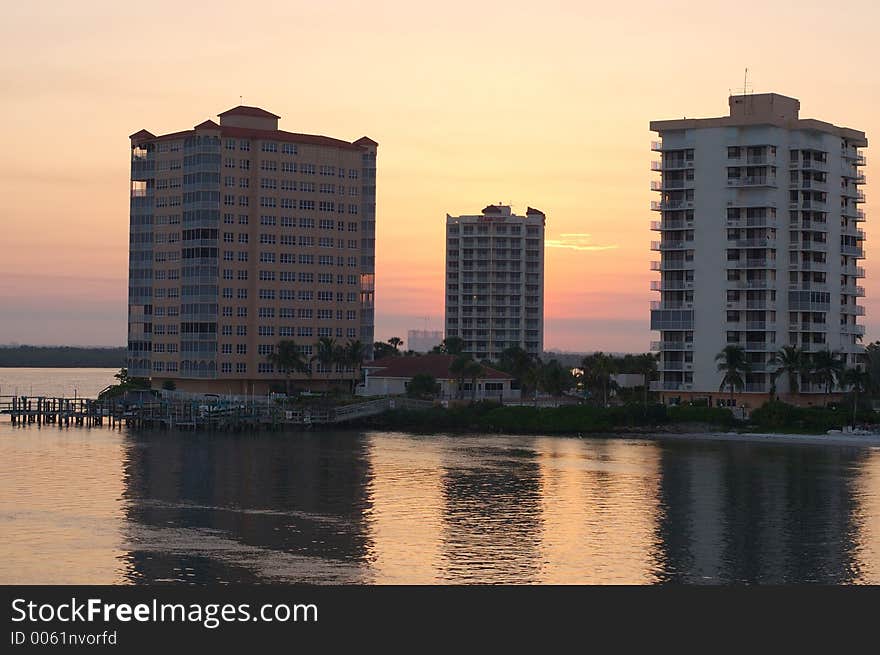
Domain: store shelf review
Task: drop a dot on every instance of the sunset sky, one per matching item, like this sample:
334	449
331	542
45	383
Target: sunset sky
542	104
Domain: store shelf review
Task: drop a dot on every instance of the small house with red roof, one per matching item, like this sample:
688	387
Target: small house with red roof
390	376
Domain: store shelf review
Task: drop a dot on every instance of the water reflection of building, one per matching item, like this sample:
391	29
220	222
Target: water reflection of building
599	505
492	523
238	508
406	502
755	513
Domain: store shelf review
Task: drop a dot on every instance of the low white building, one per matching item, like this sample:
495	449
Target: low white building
390	376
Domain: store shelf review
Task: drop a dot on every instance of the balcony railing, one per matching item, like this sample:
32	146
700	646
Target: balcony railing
673	285
669	224
751	181
814	165
852	251
756	243
672	265
671	245
672	345
658	206
857	310
751	284
676	366
660	385
852	328
853	290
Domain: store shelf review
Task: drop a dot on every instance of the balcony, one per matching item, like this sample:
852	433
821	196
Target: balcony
657	146
755	181
671	245
672	265
664	184
759	346
752	221
752	284
807	326
854	214
811	185
659	206
852	328
760	160
852	251
853	290
814	165
673	285
672	164
659	304
851	231
756	243
751	263
856	310
671	345
755	387
670	224
660	385
675	366
757	325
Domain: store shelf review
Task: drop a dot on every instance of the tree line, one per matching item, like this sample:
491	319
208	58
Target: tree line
62	357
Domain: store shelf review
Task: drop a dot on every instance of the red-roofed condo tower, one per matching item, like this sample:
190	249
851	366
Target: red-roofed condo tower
243	235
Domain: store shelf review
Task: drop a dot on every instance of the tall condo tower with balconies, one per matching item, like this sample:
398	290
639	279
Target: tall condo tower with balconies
760	243
495	281
243	235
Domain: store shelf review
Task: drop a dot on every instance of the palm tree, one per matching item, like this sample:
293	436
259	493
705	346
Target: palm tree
732	362
857	380
533	377
473	370
288	358
602	369
647	366
518	363
353	354
826	369
396	343
791	361
327	351
458	369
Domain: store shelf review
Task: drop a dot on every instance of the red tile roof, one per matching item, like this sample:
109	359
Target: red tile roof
532	210
434	365
242	110
141	135
207	125
292	137
365	141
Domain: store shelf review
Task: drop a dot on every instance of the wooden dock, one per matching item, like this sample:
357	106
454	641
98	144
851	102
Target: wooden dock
186	413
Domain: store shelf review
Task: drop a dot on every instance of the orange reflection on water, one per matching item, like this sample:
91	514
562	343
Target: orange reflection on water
60	506
598	497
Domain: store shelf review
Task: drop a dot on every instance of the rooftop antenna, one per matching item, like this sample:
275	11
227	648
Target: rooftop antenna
746	81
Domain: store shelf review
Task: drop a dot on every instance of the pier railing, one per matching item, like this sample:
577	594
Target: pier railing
191	411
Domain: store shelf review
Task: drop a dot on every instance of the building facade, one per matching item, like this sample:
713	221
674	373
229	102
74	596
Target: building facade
495	281
391	377
760	242
422	341
243	235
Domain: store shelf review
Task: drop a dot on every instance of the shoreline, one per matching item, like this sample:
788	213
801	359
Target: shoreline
842	439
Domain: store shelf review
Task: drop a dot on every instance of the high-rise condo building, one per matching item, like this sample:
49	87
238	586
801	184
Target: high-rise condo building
495	281
760	242
243	235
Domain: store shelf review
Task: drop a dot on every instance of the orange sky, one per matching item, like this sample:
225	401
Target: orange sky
542	104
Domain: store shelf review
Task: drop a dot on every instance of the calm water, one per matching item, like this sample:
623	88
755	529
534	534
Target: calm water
97	506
